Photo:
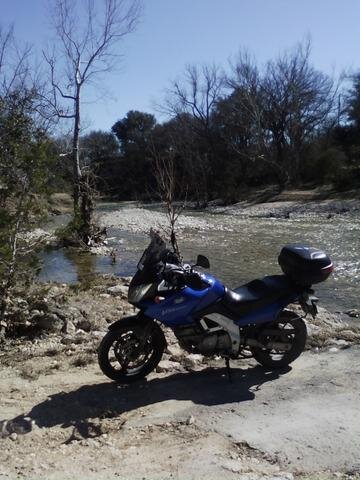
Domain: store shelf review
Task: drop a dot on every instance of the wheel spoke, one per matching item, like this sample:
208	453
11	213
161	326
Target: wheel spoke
126	354
284	338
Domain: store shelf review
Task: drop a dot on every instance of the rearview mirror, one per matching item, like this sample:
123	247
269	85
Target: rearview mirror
202	261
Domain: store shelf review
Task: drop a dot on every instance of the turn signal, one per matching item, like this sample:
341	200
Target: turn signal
158	299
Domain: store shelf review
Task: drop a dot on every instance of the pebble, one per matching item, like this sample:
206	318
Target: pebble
190	420
13	436
333	349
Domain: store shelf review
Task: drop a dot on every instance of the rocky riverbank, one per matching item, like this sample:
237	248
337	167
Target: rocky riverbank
291	209
292	204
44	310
141	219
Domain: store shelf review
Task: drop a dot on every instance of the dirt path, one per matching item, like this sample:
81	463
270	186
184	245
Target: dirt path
187	425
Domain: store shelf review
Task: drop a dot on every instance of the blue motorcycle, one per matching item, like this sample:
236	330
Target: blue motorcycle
209	318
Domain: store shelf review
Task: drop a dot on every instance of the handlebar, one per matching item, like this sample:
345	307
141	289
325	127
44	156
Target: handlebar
180	276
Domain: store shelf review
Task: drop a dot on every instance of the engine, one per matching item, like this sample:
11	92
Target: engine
195	339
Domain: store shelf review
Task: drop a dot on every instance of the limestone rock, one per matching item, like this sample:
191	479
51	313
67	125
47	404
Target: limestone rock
175	353
69	327
104	295
167	366
193	361
84	325
49	322
116	290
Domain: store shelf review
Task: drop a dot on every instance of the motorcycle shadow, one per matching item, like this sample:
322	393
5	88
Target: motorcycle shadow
108	400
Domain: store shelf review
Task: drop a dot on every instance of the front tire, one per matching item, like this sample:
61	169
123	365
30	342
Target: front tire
290	327
125	356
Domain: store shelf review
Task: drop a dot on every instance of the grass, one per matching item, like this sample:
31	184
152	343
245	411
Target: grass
82	360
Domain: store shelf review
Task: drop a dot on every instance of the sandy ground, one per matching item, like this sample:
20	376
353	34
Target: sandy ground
183	425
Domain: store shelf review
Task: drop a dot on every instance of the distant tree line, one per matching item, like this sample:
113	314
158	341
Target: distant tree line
286	124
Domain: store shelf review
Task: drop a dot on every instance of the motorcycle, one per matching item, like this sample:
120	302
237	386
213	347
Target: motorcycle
207	317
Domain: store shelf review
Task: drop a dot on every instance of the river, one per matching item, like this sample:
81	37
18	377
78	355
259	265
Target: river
239	249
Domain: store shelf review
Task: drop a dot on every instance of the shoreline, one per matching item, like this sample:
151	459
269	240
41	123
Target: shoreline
264	202
291	208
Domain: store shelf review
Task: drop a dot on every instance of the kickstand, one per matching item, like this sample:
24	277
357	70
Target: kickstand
228	369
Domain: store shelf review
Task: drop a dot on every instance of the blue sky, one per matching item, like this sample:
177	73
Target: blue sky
173	33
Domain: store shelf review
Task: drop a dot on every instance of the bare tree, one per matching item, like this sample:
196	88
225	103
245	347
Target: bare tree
287	102
196	94
168	185
190	101
298	100
84	48
14	62
245	105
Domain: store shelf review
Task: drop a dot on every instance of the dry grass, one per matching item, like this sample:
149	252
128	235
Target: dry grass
28	372
82	360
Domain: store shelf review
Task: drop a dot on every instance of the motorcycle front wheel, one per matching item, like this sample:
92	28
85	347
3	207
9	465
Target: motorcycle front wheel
290	330
124	356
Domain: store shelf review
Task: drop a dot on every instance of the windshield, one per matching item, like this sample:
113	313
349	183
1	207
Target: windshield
153	253
151	261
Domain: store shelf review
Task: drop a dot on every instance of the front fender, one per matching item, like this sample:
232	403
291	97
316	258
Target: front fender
141	325
139	320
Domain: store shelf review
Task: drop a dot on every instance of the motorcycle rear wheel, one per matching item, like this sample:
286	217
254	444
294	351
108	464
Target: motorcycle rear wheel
125	357
296	336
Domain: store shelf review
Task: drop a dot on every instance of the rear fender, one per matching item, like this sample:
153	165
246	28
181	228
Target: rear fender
266	314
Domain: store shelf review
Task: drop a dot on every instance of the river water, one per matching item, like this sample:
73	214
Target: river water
239	249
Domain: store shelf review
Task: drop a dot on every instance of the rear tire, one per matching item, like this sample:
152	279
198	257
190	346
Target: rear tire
121	356
297	338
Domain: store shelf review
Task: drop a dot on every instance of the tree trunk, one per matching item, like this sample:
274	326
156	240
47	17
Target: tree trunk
9	277
83	198
86	210
76	155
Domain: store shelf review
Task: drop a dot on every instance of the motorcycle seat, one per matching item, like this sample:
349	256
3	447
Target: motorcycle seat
257	294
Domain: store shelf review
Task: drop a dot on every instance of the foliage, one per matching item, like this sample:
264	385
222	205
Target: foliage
100	151
25	165
135	136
